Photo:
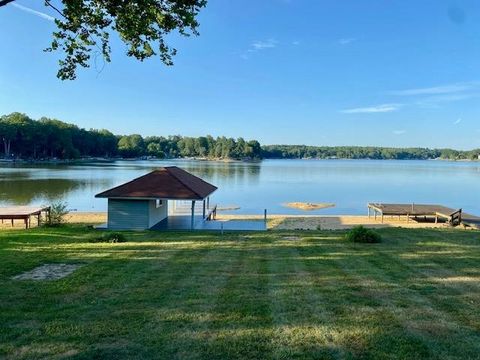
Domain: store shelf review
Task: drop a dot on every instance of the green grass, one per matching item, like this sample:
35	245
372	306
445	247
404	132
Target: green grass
246	296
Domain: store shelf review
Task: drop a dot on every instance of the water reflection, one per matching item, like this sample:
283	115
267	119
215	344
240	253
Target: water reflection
28	191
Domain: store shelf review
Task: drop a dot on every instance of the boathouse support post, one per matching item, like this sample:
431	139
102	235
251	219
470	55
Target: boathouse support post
193	215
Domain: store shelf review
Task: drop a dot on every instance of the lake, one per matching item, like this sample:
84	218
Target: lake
255	186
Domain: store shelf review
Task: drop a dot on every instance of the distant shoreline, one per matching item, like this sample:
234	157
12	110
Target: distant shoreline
111	160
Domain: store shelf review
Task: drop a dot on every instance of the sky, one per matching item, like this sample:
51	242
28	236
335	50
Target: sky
316	72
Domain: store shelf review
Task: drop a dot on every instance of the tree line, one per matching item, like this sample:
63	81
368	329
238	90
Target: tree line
24	138
365	152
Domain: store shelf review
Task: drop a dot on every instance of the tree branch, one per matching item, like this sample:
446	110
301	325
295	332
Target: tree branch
5	2
48	3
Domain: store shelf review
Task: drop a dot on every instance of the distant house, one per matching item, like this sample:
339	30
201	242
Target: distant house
143	203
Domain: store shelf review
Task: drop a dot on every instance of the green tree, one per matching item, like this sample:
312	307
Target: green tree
7	133
201	146
105	143
154	149
254	150
131	145
85	27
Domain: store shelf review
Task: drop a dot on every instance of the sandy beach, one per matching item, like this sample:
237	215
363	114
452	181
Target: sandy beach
274	222
332	222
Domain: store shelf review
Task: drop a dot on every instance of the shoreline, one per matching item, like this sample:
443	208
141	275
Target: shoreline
274	221
288	222
111	160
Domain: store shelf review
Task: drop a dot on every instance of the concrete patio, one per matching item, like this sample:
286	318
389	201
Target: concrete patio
184	222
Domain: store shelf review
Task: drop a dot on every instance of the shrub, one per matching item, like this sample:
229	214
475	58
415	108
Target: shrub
110	237
360	234
58	213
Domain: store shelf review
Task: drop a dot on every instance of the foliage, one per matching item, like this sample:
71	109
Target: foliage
364	152
24	138
360	234
85	27
109	237
131	146
50	138
58	213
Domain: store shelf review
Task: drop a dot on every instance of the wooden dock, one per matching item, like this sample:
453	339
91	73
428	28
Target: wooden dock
24	213
437	212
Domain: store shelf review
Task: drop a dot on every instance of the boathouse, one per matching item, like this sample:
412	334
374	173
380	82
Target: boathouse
144	202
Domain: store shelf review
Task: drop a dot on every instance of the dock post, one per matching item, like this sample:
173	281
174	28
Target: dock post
265	216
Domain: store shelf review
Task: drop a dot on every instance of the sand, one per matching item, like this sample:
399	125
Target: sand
308	206
91	218
331	222
88	218
275	222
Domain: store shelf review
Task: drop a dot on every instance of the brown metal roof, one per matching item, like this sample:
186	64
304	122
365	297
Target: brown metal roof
165	183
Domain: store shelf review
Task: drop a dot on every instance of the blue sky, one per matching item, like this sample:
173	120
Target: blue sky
317	72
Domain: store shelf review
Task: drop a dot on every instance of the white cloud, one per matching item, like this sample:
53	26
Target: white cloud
346	41
399	132
33	12
259	45
296	42
262	45
436	101
385	108
436	90
458	121
434	97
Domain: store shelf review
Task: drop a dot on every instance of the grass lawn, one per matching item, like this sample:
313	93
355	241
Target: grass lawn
250	296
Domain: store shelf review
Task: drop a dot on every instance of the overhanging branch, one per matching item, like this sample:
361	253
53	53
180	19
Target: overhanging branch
5	2
48	3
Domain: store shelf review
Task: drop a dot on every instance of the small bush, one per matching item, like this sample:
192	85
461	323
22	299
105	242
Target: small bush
360	234
58	213
110	237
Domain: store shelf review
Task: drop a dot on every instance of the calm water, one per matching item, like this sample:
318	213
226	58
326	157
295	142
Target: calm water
350	184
